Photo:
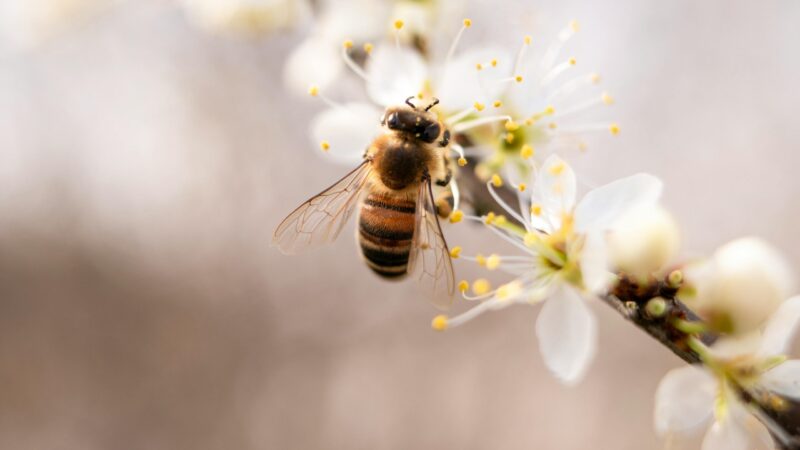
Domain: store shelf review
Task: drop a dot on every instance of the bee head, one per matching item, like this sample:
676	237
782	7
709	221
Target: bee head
418	123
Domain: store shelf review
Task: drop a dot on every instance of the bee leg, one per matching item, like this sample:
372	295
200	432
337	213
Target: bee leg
448	175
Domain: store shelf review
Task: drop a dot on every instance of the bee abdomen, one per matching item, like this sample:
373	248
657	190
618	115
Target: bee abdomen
385	230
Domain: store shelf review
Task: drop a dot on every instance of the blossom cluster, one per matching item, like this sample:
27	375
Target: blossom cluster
510	114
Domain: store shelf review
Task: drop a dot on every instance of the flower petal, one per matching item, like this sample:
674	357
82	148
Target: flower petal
784	379
567	334
555	190
348	130
726	435
314	62
684	400
780	328
602	206
394	74
460	84
594	263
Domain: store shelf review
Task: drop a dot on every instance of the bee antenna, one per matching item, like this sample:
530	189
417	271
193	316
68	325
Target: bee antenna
408	102
434	103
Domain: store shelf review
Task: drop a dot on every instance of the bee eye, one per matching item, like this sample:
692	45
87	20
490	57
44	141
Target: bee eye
392	121
431	132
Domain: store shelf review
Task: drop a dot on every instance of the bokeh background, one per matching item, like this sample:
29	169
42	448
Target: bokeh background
145	160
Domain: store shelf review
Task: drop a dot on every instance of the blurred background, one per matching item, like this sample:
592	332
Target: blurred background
147	151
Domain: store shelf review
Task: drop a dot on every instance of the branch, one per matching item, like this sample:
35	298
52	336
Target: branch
630	300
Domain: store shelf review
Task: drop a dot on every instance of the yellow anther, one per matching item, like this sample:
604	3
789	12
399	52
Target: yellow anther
481	286
480	259
582	146
455	252
614	129
529	121
494	63
526	151
594	78
550	110
574	26
325	146
489	218
462	161
522	187
398	24
573	61
348	44
463	285
528	40
439	323
456	216
497	103
500	220
497	181
518	78
511	125
552	125
536	209
557	169
420	95
509	138
607	99
530	238
313	90
479	106
368	48
467	23
493	262
479	66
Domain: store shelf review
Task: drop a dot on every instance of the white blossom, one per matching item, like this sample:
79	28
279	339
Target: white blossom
688	398
740	287
644	242
564	258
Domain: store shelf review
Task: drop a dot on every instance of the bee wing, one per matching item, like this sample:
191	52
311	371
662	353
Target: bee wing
429	249
320	219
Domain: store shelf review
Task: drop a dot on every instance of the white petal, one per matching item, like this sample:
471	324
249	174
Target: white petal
594	263
780	328
567	334
602	206
731	347
555	189
394	74
359	20
348	130
684	400
726	435
313	62
784	379
460	84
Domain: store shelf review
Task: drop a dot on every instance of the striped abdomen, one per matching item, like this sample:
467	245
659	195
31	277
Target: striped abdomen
385	229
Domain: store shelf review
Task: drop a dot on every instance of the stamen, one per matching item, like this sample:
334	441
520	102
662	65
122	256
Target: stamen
460	150
439	323
455	252
573	85
556	71
493	261
464	126
368	48
398	25
456	194
555	48
313	91
457	117
521	54
490	186
496	181
526	151
456	215
466	24
348	44
606	98
325	146
481	286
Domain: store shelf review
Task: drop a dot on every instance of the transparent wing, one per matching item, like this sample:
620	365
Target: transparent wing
429	253
320	219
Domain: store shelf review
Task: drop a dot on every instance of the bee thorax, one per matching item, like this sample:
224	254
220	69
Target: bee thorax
401	165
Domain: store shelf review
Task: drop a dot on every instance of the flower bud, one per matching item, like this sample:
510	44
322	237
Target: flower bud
644	241
743	284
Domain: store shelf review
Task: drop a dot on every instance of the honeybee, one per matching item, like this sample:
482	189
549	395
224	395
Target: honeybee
398	227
